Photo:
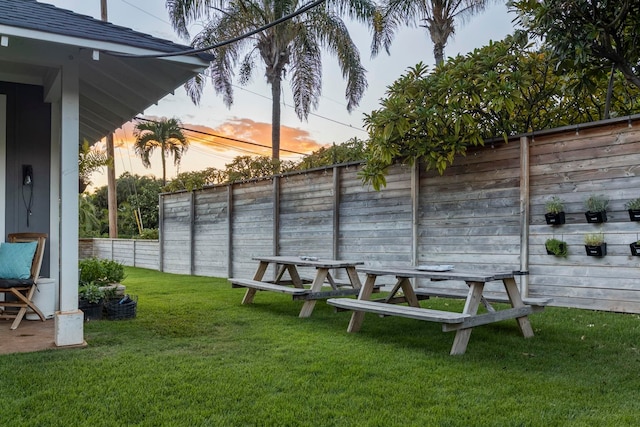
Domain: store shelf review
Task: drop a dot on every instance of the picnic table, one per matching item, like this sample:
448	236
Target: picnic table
295	284
463	323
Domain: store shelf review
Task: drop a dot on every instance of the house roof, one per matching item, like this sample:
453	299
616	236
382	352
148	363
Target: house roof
117	78
30	14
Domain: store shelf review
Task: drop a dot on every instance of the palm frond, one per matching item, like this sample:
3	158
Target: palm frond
306	71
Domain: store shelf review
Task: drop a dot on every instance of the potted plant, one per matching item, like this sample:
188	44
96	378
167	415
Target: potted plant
596	208
556	247
634	209
635	248
554	211
595	245
103	272
91	301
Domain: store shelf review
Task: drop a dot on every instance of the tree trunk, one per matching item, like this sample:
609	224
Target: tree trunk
275	118
164	167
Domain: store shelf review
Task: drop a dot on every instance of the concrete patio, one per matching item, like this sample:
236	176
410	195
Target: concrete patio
30	336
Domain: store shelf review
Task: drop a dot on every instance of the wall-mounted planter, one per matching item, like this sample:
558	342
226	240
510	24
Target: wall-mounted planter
554	218
635	248
556	247
634	214
599	251
596	217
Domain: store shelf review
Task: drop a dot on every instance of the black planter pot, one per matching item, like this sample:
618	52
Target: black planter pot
554	218
596	217
635	249
634	214
599	251
92	311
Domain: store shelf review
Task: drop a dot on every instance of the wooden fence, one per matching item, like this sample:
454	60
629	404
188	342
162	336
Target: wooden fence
484	213
131	252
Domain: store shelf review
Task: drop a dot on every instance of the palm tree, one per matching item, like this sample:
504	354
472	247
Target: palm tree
165	134
291	48
438	17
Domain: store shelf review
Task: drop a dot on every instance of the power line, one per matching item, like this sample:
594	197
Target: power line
225	137
226	42
311	113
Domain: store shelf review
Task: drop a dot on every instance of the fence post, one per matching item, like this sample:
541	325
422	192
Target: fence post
229	230
524	216
336	212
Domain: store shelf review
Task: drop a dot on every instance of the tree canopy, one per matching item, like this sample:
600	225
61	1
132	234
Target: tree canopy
501	89
166	135
438	17
591	34
291	49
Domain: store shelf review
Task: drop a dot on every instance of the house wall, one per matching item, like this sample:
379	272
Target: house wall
28	138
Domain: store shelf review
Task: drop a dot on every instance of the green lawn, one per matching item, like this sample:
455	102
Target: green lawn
195	356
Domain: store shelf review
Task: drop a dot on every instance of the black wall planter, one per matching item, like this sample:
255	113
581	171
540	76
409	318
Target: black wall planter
634	214
554	218
635	249
596	217
599	251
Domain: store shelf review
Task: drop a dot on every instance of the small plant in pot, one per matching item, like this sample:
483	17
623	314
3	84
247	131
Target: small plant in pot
635	248
554	211
556	247
91	300
633	206
596	208
595	245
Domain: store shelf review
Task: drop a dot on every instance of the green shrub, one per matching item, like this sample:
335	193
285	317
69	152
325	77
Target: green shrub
100	271
596	203
90	292
554	205
633	204
556	247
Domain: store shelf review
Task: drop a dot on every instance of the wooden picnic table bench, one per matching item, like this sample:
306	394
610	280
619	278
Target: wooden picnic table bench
295	285
462	323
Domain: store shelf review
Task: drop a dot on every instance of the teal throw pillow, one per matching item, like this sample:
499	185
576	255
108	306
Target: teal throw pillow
16	259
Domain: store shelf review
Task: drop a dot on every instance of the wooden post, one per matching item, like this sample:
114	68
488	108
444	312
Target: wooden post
276	215
415	205
229	230
336	212
160	233
112	195
524	215
192	231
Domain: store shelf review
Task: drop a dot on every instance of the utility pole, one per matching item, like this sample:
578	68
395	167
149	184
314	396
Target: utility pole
112	200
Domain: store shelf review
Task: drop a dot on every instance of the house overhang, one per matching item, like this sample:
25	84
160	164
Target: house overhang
114	87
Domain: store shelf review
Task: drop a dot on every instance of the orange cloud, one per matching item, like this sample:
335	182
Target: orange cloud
233	136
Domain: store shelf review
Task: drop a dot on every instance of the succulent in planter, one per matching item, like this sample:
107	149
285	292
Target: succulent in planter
635	248
595	245
633	206
554	211
596	206
556	247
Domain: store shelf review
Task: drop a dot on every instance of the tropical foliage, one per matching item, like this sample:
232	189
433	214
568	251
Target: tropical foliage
137	198
501	89
89	161
292	48
590	34
438	17
165	135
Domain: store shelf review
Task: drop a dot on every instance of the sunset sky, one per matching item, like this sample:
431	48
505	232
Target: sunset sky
249	119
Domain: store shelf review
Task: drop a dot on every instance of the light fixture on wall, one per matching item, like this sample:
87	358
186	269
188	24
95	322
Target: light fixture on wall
4	41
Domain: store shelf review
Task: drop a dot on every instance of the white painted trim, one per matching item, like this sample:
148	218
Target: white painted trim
95	44
54	198
3	163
